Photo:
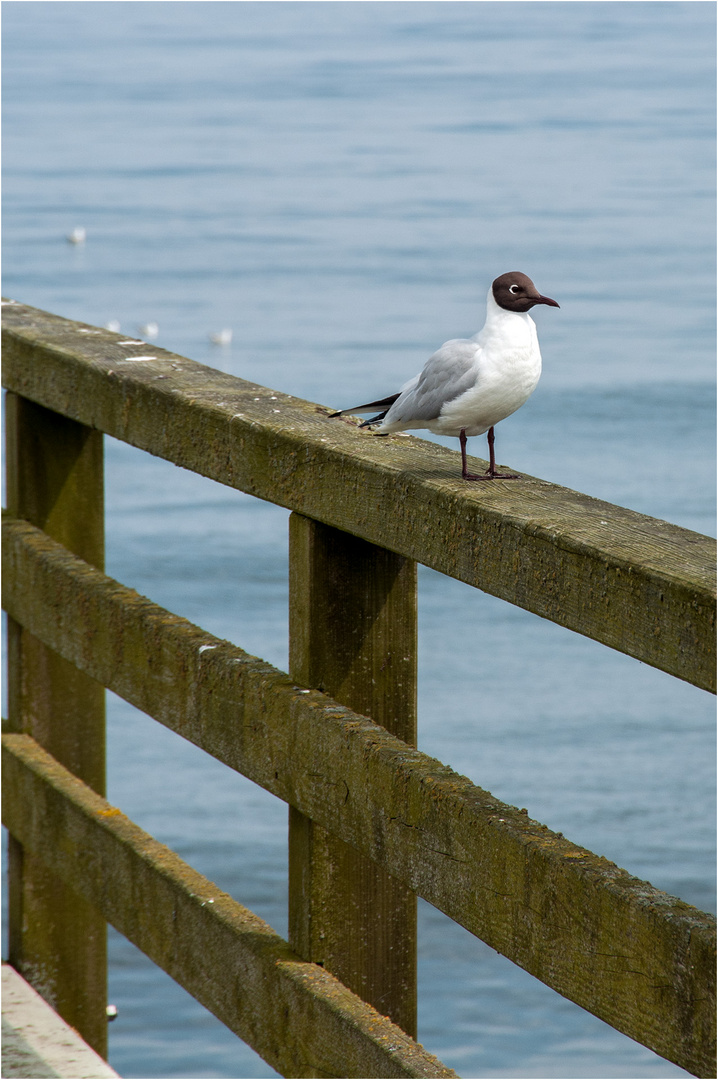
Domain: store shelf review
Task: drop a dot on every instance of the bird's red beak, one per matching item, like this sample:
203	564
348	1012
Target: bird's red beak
547	300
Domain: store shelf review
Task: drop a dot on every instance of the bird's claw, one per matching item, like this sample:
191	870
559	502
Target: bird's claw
491	476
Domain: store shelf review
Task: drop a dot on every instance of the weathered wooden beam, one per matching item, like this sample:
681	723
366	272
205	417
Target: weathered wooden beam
352	634
641	960
294	1014
640	585
57	940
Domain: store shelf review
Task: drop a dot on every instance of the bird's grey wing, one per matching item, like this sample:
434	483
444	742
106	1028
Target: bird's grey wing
446	375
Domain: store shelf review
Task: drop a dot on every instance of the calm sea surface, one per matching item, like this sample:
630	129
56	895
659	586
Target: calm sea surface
339	183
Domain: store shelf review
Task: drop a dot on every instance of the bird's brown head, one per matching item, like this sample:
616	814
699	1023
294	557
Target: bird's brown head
516	292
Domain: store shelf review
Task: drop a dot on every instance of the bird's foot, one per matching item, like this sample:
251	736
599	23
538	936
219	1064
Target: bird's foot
488	475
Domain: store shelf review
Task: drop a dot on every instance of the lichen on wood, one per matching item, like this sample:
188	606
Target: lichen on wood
637	584
297	1016
641	960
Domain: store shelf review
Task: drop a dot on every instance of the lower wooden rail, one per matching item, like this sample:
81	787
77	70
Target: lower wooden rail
641	960
301	1019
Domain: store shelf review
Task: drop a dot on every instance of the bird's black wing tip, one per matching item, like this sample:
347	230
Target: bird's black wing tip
374	419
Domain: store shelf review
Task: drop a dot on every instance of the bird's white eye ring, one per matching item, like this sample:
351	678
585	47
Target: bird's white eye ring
513	288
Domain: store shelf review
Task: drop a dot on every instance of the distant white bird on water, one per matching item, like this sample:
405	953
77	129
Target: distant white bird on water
77	236
149	330
221	337
471	384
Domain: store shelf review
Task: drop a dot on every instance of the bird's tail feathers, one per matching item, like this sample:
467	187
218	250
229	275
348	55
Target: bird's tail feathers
374	419
387	401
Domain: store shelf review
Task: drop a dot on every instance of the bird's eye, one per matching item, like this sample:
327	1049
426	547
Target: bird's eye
513	288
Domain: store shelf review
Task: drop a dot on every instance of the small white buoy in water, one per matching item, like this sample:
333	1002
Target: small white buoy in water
150	329
113	325
78	235
222	337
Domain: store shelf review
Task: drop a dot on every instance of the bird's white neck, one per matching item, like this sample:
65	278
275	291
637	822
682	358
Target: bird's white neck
509	328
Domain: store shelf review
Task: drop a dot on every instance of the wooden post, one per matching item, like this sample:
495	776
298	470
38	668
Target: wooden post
57	939
352	630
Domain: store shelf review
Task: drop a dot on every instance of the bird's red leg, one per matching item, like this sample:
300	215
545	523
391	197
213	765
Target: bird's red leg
492	462
490	473
464	470
466	475
492	457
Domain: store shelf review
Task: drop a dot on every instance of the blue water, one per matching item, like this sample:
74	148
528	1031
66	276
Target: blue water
339	183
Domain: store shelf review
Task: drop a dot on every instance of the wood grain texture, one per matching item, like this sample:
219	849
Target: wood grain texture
56	939
637	584
352	634
295	1015
641	960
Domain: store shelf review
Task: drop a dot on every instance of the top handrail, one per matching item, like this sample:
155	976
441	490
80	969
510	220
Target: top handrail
638	584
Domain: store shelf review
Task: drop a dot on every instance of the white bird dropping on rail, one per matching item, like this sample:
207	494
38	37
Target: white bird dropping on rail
77	236
471	384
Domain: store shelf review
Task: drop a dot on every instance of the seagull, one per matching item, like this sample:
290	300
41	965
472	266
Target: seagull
221	337
470	384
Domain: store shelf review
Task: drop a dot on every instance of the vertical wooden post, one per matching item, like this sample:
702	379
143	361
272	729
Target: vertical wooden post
57	940
352	630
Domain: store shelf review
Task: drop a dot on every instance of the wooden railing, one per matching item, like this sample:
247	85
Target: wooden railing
373	822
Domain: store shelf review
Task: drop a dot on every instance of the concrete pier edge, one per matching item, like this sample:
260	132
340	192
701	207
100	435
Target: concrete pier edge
36	1042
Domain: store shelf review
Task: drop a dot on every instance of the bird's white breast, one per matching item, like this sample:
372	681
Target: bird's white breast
508	367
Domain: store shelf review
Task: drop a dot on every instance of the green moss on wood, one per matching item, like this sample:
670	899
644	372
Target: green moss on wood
642	586
639	959
296	1015
56	939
